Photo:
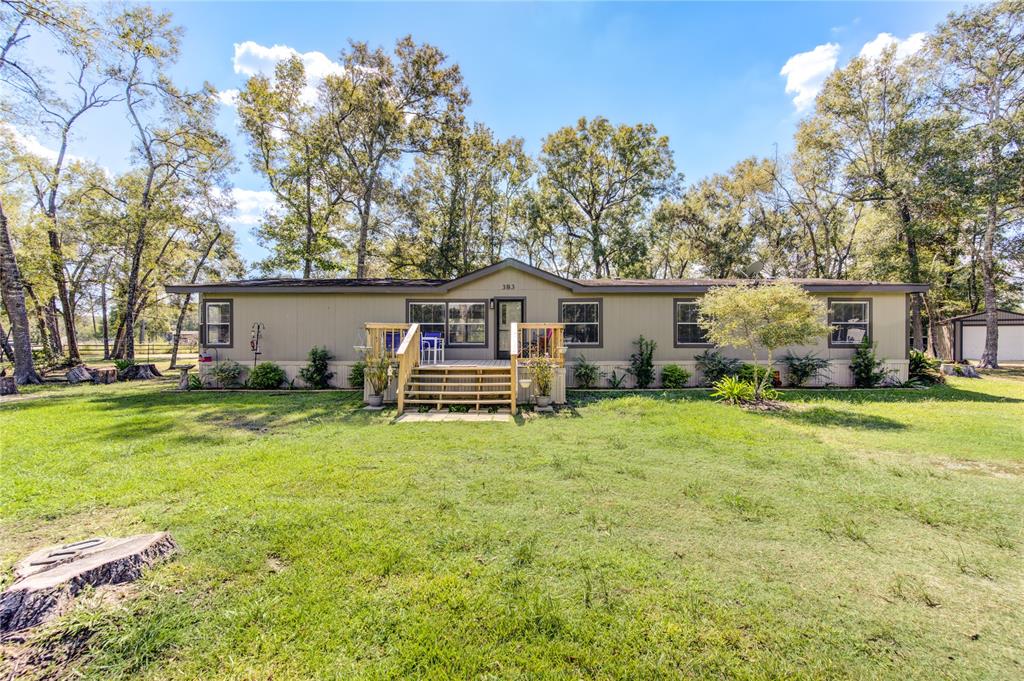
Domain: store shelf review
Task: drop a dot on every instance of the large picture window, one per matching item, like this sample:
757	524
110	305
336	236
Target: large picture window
582	319
687	330
460	322
430	316
467	323
850	321
217	323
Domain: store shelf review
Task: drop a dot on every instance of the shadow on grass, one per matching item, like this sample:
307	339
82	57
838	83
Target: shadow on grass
581	398
825	416
938	393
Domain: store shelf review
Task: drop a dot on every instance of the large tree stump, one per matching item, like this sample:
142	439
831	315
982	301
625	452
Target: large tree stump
8	386
139	372
79	374
47	581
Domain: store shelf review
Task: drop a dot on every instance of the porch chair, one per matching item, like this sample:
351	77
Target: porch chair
432	347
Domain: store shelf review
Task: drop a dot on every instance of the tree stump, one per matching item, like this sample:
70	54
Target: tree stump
79	374
47	581
104	375
8	386
139	372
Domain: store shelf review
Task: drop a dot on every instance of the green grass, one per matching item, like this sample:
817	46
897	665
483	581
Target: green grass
859	534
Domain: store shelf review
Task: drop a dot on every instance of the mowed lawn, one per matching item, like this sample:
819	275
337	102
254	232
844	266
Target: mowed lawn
859	534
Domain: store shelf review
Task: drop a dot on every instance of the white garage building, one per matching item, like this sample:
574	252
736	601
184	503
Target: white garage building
968	335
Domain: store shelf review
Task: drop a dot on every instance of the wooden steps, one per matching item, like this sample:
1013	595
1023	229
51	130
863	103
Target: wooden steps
463	385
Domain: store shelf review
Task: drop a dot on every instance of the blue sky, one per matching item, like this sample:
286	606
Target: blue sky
707	75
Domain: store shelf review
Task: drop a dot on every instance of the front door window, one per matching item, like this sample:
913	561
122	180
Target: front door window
509	312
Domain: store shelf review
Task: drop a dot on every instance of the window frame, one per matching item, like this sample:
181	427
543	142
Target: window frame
600	321
448	324
444	315
869	321
447	302
676	323
203	326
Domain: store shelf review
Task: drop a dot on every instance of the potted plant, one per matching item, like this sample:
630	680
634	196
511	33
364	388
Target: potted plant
377	373
542	373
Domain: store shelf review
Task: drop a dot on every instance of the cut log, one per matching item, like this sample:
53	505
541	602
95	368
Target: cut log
79	374
8	386
47	581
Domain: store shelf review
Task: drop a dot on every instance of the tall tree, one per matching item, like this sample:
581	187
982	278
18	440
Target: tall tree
870	116
177	149
460	204
378	110
289	148
57	117
980	53
597	179
14	302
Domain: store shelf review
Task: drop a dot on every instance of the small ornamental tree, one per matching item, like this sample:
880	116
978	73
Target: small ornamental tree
762	318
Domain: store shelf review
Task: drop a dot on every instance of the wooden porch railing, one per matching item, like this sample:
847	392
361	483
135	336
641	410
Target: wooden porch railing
541	339
513	361
384	338
408	356
531	340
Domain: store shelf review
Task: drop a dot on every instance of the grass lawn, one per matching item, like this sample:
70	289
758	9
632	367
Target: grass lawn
859	534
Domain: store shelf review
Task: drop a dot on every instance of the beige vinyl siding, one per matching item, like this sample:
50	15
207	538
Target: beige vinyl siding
296	321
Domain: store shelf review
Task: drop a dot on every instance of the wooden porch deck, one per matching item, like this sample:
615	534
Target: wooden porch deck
468	364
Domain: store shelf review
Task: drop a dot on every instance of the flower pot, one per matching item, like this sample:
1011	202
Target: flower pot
543	400
375	400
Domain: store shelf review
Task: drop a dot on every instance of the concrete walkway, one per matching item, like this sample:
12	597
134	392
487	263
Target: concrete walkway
439	416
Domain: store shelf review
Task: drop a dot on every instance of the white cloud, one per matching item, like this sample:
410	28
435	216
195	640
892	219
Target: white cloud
28	143
250	205
228	97
251	58
904	48
806	73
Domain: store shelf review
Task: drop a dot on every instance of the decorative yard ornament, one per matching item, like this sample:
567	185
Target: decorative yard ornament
254	341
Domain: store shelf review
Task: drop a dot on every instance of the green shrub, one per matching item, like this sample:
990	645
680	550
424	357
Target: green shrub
641	363
195	382
714	366
866	368
925	369
803	368
615	381
674	377
122	364
753	373
733	390
315	374
542	372
226	373
266	376
357	376
587	374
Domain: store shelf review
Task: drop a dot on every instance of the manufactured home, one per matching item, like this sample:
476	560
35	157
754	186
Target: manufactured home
466	339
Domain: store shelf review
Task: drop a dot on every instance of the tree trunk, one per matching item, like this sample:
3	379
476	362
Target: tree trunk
133	292
14	300
5	345
188	297
105	319
915	274
53	326
57	269
364	234
37	309
990	356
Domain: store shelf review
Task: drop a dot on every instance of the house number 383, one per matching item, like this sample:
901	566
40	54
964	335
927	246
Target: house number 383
507	287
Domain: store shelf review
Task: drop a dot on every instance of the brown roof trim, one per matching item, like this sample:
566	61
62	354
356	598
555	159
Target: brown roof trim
587	286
